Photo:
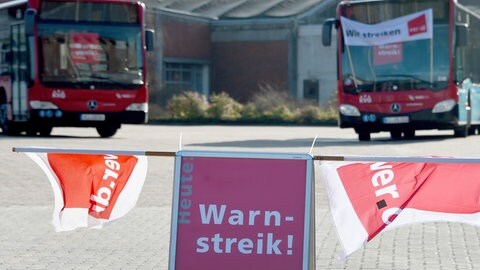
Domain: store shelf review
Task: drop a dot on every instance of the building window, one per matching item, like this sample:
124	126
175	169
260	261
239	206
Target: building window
181	77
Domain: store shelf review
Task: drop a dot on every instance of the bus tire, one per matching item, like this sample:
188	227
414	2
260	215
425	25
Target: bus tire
3	112
45	131
395	134
472	130
363	136
460	131
31	131
9	129
107	130
6	126
3	117
409	133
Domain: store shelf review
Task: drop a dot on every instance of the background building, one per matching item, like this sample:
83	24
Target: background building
242	46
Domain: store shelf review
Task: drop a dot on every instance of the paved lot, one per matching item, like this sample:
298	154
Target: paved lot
141	239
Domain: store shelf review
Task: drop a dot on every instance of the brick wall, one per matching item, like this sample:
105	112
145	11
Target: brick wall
240	67
186	39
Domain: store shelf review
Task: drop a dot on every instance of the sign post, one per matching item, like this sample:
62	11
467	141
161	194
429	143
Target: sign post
235	210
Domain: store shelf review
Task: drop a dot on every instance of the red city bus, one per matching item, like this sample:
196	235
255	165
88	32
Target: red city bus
73	63
407	65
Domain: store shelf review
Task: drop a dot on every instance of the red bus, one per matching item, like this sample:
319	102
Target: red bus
407	65
73	63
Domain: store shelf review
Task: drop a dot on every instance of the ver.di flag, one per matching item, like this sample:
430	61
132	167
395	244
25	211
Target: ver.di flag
91	190
367	198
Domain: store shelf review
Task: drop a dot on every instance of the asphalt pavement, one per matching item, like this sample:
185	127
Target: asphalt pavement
141	239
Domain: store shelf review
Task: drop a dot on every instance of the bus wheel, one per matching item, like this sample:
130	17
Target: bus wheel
6	126
31	131
363	136
3	117
45	131
472	130
395	134
460	131
409	133
107	130
9	129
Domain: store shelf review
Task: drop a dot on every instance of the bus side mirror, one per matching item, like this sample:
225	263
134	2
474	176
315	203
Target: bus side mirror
149	37
461	35
30	15
327	32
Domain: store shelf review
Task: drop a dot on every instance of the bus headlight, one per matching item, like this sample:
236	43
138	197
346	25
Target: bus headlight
143	107
444	106
348	110
37	104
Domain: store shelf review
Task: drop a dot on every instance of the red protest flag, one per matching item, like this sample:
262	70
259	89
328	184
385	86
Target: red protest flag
367	198
92	190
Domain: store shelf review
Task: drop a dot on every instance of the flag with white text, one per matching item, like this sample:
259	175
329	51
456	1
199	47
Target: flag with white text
234	210
367	198
92	190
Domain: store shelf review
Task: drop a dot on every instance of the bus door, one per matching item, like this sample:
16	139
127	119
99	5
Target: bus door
19	72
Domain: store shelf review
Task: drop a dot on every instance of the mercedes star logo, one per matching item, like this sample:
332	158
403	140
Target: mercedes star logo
92	104
395	107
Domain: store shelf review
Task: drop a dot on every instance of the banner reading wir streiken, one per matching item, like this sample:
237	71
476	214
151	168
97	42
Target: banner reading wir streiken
411	27
242	211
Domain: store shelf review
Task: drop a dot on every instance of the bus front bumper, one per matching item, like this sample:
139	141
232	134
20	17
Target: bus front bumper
421	120
86	119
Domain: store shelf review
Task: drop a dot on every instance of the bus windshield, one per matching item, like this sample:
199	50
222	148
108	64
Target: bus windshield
404	65
86	56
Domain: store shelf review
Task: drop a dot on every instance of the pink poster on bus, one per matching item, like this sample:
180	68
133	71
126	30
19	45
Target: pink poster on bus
85	48
387	54
241	211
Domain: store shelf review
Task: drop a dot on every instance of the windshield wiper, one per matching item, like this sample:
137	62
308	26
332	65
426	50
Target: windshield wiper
356	79
355	84
406	76
419	82
114	82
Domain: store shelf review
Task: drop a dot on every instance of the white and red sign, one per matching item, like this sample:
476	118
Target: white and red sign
367	198
92	190
85	48
241	211
387	54
415	26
